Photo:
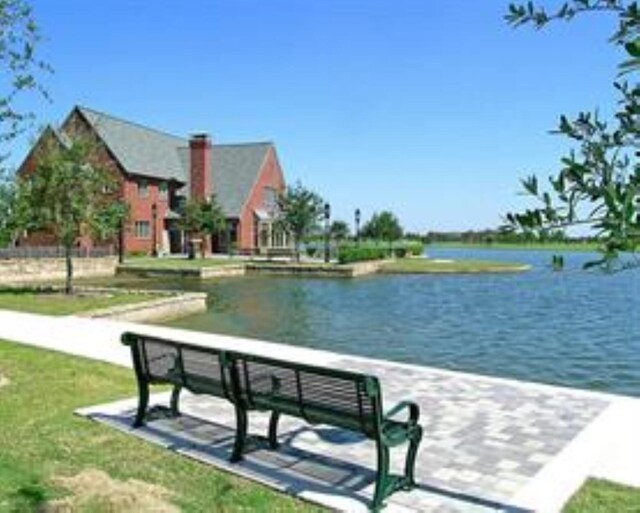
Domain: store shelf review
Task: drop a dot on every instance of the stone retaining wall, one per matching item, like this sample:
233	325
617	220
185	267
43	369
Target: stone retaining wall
34	270
173	306
368	267
329	270
201	272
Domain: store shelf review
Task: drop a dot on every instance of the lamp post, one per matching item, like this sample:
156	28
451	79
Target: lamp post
357	226
327	215
154	241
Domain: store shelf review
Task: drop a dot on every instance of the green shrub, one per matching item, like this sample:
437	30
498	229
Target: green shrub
349	254
311	251
400	252
412	247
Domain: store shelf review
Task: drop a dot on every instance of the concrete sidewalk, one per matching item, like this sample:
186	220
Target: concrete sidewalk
490	444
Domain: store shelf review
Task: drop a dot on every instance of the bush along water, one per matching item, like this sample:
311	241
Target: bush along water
377	250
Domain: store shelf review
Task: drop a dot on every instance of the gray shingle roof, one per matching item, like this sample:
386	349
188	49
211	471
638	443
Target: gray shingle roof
235	170
148	152
139	149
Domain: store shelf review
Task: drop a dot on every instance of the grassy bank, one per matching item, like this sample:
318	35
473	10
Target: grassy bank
538	246
434	266
57	303
604	497
41	440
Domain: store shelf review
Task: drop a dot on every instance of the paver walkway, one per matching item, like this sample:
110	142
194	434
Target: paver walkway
490	444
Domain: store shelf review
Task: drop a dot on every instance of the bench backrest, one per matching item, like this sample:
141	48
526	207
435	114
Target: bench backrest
202	370
317	394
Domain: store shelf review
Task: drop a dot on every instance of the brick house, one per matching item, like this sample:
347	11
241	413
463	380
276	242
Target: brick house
158	172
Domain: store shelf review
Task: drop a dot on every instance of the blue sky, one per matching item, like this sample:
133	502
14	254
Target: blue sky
431	109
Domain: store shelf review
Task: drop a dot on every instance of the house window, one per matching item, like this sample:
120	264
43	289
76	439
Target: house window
143	189
270	199
163	189
143	229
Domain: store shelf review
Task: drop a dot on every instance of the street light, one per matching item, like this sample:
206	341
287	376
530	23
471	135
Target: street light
357	226
154	217
327	215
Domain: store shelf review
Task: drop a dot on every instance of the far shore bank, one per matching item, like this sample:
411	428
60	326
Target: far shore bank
585	247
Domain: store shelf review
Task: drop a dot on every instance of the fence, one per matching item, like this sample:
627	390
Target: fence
54	252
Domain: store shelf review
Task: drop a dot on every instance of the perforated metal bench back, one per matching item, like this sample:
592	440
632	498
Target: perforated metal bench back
316	394
199	369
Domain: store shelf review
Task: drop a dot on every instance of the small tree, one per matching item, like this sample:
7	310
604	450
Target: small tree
65	196
598	183
19	39
300	210
383	226
339	231
203	217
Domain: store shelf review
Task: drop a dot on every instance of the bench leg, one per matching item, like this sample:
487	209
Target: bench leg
410	464
382	478
175	399
273	430
241	434
143	402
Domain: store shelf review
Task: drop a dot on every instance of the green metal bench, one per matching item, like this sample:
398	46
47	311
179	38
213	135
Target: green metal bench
318	395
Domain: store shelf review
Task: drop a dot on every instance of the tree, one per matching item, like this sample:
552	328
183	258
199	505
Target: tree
203	217
339	230
68	196
8	197
598	183
299	213
20	65
383	226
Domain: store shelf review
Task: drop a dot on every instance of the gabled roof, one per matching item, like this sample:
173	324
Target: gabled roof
140	150
235	170
149	152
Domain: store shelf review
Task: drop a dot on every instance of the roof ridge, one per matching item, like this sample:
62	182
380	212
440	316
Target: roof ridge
256	143
128	122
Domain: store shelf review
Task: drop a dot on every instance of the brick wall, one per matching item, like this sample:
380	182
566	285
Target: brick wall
270	176
141	210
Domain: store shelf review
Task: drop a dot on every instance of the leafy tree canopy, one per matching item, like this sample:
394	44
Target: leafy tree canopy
383	226
339	230
202	216
300	211
20	65
598	181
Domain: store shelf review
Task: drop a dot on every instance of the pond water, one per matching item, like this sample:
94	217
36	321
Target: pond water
573	327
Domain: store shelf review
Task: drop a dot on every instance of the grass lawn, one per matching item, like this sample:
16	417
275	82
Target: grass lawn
56	303
544	246
42	440
604	497
181	263
433	266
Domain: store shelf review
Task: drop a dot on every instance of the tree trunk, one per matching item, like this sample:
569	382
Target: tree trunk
68	288
121	244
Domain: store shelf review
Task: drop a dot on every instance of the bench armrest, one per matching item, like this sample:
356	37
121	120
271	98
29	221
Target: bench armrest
414	411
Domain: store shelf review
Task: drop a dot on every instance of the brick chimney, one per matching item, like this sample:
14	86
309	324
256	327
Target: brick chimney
201	180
